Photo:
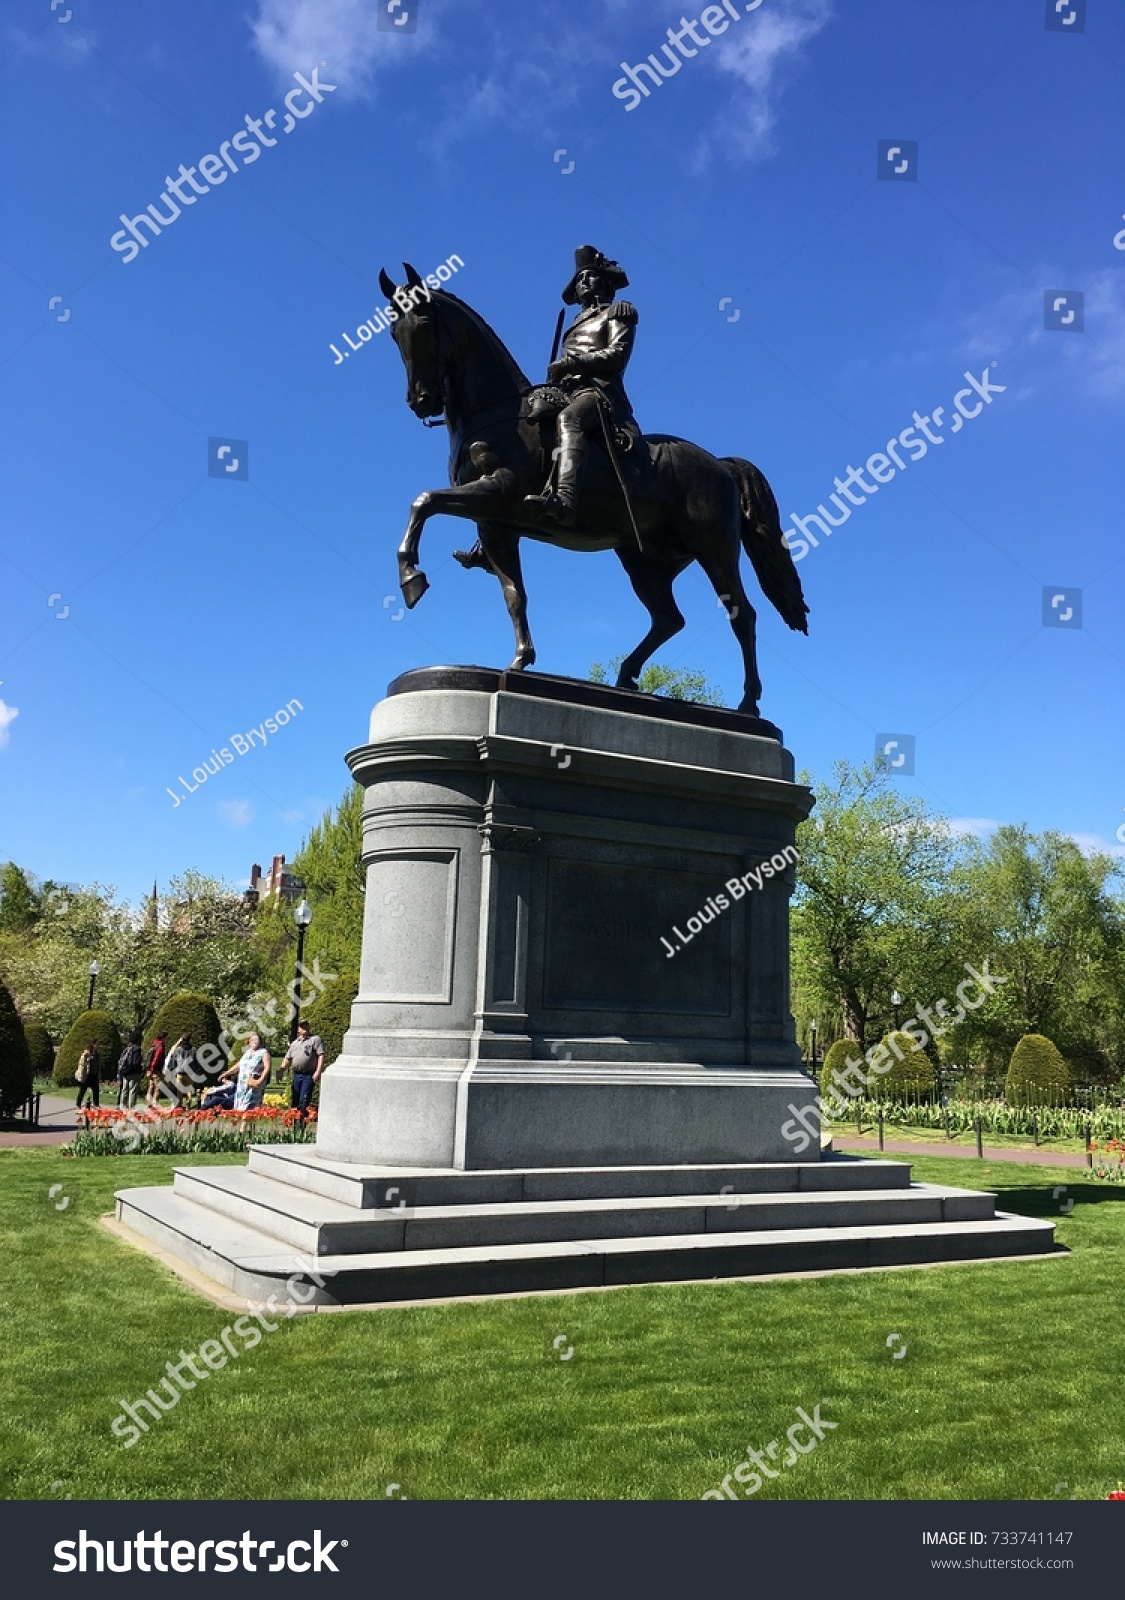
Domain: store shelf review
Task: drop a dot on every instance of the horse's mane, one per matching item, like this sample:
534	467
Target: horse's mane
522	382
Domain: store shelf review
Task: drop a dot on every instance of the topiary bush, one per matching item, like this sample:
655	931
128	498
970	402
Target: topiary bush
911	1074
186	1013
1037	1074
839	1054
15	1057
94	1024
330	1014
42	1049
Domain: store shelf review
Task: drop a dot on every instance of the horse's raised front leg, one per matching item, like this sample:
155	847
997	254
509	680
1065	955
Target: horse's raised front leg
502	547
471	500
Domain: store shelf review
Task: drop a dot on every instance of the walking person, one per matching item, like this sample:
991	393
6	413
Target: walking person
129	1069
306	1058
154	1067
180	1069
89	1075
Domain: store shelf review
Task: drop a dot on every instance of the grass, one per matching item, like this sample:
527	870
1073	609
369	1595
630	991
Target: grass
966	1137
1009	1387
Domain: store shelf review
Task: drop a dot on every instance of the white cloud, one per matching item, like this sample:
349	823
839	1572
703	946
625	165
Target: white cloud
237	812
756	52
1095	844
978	827
1013	323
294	35
8	715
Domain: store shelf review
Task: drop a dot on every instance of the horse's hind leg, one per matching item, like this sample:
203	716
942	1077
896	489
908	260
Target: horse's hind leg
722	569
652	584
502	547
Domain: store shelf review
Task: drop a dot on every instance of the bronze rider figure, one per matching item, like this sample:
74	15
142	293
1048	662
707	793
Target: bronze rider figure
590	370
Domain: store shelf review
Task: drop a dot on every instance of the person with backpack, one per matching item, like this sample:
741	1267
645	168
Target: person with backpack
180	1072
129	1069
154	1068
89	1075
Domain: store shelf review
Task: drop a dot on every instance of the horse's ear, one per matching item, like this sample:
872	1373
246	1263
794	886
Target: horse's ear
412	279
386	284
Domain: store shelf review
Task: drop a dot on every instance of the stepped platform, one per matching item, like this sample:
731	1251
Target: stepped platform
374	1235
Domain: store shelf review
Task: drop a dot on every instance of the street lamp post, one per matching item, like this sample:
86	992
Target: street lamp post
302	916
896	1001
812	1045
94	970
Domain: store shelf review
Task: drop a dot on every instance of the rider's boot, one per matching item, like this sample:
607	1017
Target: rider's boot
473	558
560	505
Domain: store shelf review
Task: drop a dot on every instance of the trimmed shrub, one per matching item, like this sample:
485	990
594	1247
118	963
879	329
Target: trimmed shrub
15	1057
1037	1074
330	1014
94	1024
911	1075
185	1013
42	1049
839	1054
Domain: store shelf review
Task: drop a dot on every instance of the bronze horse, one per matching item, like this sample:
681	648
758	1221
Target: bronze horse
688	505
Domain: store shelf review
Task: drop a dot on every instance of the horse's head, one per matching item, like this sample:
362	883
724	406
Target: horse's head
418	334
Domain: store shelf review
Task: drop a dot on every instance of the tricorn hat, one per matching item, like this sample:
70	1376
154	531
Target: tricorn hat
586	257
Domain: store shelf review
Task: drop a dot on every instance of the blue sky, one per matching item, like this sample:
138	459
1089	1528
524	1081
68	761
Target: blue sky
151	611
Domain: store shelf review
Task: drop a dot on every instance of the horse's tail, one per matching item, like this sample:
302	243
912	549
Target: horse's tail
763	542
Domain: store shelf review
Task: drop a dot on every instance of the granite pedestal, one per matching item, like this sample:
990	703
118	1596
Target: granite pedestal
534	1095
534	849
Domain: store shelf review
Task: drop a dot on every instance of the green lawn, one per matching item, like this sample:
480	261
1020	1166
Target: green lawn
966	1138
1010	1386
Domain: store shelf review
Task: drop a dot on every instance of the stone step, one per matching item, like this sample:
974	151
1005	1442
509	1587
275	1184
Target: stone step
369	1187
255	1265
323	1226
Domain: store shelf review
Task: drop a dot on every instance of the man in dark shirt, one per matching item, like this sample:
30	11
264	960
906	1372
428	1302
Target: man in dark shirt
305	1056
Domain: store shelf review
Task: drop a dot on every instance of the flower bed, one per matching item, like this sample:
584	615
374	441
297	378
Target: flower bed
1109	1160
110	1132
996	1116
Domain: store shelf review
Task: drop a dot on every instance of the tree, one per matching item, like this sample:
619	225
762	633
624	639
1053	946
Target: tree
875	901
20	905
198	937
42	1049
15	1058
94	1024
1046	916
1037	1074
675	683
330	865
330	1015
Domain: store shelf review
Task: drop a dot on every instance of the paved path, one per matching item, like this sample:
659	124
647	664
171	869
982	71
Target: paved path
56	1125
897	1147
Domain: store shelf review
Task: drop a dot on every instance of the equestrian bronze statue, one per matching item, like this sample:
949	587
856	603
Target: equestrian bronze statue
566	463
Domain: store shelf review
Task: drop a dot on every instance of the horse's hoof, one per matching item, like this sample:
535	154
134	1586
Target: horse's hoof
627	683
413	588
749	708
523	658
